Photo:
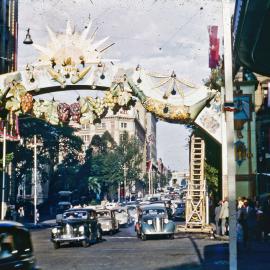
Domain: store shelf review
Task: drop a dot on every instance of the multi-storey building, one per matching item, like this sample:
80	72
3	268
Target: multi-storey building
135	121
8	35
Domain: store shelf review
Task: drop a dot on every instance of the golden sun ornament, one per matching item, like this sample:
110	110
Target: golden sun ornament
71	54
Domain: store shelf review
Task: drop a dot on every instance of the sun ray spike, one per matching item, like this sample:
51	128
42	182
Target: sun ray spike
68	29
86	31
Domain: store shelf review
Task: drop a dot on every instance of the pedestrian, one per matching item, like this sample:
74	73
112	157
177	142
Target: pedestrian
21	213
217	217
37	216
248	221
224	216
266	219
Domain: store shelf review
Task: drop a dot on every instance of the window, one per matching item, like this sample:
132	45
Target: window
85	126
86	138
123	125
101	126
123	111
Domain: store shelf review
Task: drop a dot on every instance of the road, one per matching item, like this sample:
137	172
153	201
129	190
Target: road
124	251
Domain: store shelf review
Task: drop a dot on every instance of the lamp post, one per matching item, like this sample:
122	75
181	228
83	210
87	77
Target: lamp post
3	174
35	145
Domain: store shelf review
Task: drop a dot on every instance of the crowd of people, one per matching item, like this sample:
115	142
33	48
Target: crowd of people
253	219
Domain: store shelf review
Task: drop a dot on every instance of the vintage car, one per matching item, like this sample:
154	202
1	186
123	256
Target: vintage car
132	210
153	220
123	217
77	226
107	220
179	213
16	251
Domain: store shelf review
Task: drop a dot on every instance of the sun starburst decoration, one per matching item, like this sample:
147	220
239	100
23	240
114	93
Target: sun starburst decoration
71	54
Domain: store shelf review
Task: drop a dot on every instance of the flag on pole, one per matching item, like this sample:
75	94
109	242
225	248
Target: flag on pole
213	46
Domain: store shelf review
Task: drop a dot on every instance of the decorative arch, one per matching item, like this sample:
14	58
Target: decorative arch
74	61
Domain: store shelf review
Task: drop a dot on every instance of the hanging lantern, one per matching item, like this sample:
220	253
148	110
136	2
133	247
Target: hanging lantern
166	109
102	76
173	92
139	80
28	40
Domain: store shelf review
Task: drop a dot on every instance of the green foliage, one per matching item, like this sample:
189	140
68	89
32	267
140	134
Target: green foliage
212	178
53	140
9	158
110	163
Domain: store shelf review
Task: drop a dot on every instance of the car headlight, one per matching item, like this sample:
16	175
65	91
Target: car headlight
54	230
166	221
81	229
149	221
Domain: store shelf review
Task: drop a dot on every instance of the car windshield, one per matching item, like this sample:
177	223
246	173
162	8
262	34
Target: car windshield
154	211
75	214
103	214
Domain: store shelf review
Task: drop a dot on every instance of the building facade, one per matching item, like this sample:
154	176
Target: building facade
134	121
8	35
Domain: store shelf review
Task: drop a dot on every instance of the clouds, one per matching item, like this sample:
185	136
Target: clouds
160	35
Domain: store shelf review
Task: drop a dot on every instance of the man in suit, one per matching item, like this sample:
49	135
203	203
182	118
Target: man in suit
224	216
217	219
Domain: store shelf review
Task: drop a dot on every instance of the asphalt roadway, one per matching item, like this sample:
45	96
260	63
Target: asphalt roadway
124	251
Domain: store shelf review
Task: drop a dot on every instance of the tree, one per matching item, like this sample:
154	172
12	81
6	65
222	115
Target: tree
55	140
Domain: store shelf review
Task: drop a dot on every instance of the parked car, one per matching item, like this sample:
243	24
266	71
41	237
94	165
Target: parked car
123	217
107	220
179	213
16	250
153	220
77	226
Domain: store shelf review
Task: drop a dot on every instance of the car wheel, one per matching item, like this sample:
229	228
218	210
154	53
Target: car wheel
171	236
85	243
143	237
111	232
56	245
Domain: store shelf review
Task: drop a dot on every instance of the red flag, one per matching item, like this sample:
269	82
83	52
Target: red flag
213	46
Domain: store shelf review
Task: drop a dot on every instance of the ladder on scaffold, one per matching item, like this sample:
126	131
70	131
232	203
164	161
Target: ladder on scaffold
196	193
196	197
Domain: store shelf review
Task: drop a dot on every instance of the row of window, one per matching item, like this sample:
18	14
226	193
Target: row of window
102	126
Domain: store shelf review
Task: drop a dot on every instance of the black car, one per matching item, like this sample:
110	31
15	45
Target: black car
77	226
16	251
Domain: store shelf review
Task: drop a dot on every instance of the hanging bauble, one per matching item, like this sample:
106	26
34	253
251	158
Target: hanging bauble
75	111
27	103
166	109
63	111
173	92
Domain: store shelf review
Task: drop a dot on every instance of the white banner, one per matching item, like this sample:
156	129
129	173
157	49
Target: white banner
209	119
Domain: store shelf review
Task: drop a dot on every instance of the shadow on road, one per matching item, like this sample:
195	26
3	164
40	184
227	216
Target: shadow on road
214	257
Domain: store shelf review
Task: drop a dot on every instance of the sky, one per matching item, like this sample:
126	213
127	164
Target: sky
160	35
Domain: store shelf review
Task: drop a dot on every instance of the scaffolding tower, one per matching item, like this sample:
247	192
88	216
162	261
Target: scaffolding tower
196	192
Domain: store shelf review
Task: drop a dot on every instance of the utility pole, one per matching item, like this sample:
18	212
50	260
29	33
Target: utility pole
35	145
4	173
226	6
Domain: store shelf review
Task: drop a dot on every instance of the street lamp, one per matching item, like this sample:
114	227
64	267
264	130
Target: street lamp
28	40
35	145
